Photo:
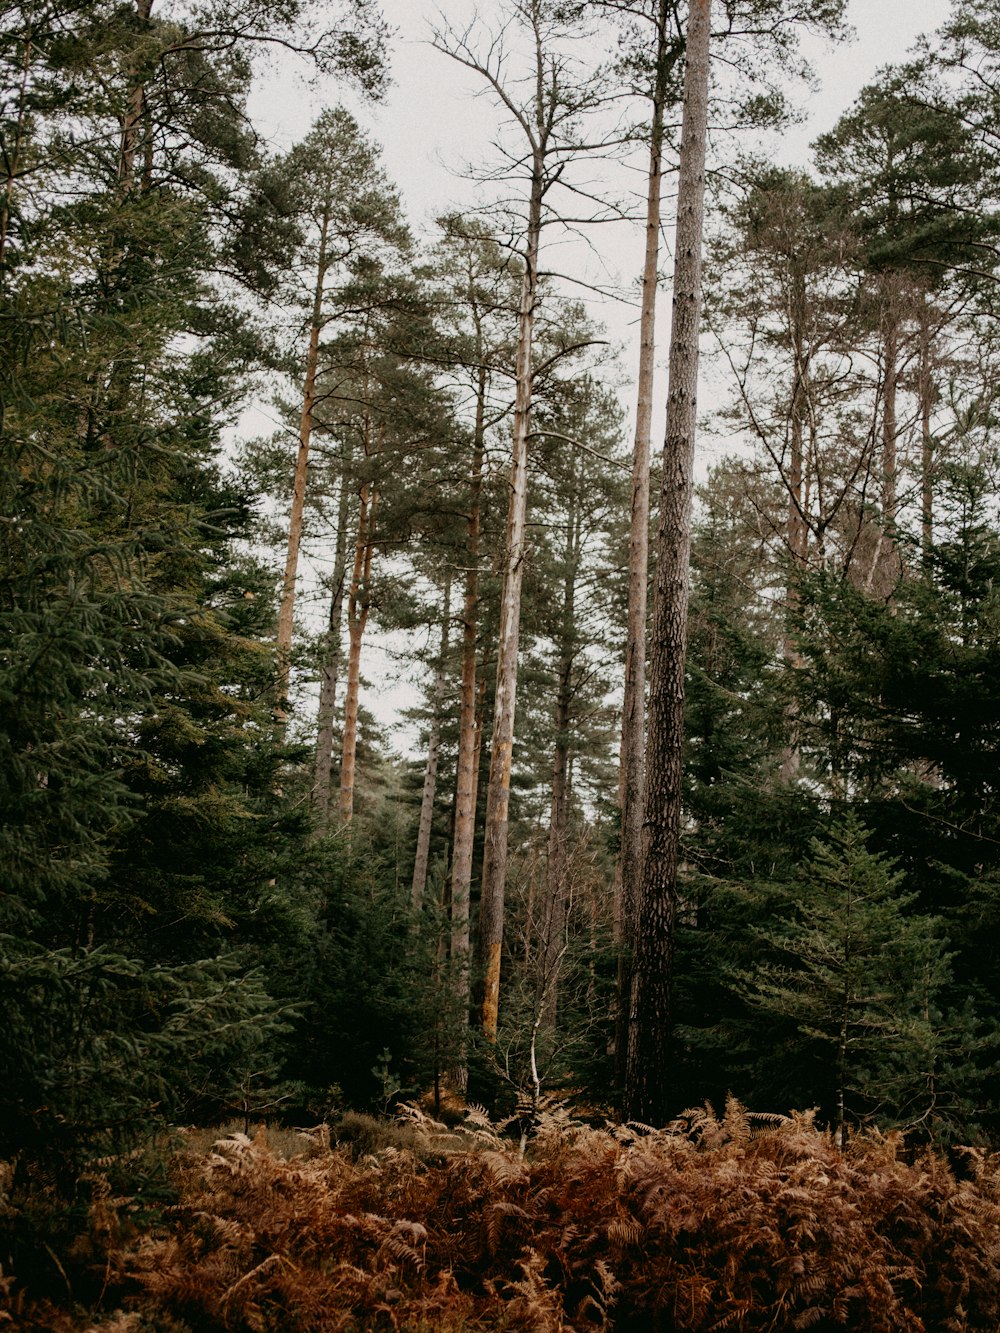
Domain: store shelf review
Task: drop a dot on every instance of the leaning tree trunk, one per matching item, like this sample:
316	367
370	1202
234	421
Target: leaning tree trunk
287	607
632	755
466	782
422	858
330	669
647	1071
498	794
358	603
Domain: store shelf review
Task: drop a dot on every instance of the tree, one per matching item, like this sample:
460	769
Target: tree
347	212
863	977
649	1005
546	121
140	821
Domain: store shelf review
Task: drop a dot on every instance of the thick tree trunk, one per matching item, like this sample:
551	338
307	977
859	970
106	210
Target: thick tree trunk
287	607
422	858
358	603
330	670
632	755
466	783
498	795
647	1079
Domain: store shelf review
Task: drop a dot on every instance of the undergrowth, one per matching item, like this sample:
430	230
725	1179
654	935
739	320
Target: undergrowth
736	1223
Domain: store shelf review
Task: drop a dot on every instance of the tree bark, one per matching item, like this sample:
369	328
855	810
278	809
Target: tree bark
466	784
498	794
422	858
927	398
632	754
287	607
796	529
889	428
647	1080
12	159
134	119
555	912
330	670
358	603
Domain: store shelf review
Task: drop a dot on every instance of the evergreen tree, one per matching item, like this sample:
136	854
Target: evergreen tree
861	982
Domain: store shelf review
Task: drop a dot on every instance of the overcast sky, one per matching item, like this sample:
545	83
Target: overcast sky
432	123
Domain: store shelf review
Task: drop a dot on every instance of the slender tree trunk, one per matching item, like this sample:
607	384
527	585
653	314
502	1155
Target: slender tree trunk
12	159
287	607
647	1071
466	783
330	669
423	853
889	428
927	396
632	755
796	530
135	120
498	795
358	604
885	537
554	915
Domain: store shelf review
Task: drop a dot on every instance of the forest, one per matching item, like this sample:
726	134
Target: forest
655	983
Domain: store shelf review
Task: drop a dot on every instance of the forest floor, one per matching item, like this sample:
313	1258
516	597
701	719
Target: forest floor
737	1222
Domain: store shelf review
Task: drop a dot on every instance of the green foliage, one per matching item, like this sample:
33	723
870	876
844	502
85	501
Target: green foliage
860	978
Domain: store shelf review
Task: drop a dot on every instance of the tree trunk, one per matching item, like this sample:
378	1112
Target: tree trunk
135	119
889	429
647	1070
422	858
927	397
632	754
884	548
498	794
554	914
796	530
287	607
330	669
466	783
358	603
12	158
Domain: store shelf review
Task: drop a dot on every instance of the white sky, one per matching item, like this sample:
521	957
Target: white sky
432	123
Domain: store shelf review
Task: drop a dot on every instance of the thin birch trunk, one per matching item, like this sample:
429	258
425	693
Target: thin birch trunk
632	754
287	607
358	604
330	669
647	1069
422	857
498	795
